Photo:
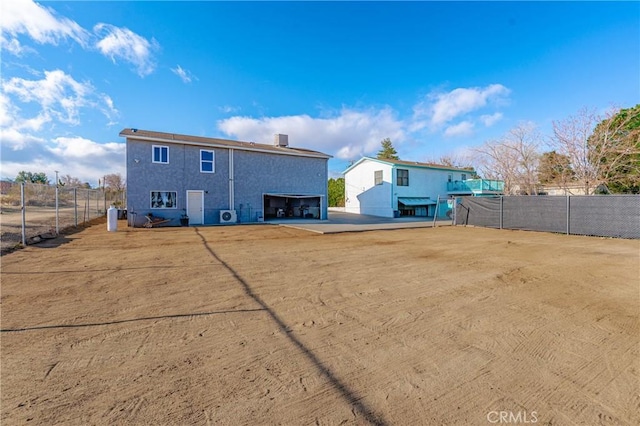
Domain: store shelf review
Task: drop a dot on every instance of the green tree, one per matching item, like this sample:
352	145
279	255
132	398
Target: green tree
555	168
336	192
614	149
29	177
387	152
603	151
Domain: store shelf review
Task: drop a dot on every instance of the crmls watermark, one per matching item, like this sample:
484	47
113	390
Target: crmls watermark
509	417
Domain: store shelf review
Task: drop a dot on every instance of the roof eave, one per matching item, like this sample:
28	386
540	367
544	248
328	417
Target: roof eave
407	164
129	134
363	159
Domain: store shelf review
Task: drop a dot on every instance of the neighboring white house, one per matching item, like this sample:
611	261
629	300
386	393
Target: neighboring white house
391	188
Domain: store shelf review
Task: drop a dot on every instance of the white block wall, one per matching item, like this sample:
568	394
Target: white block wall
362	196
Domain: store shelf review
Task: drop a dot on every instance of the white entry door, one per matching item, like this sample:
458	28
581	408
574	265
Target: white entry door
195	207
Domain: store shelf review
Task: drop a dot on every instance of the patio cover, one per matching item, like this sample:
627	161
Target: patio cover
293	195
415	201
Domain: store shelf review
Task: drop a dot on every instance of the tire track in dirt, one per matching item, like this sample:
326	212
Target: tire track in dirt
402	349
473	342
567	372
356	307
123	410
50	369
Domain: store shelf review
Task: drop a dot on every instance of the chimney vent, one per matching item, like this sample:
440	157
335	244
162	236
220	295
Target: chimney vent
281	140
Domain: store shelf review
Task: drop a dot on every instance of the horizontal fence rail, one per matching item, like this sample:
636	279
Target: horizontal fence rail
30	211
596	215
476	185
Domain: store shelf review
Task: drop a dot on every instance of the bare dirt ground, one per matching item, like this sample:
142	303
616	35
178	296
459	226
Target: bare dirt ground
39	220
269	325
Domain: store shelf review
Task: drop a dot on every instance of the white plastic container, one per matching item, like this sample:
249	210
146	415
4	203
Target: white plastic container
112	219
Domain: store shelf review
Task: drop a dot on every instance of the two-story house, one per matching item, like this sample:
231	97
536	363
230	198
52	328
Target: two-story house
222	181
391	188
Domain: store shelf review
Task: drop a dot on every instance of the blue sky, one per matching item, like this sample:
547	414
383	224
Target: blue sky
438	78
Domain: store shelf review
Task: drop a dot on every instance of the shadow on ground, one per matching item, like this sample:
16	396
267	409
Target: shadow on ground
350	396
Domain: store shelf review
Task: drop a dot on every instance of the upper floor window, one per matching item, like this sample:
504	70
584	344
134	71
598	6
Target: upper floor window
450	178
207	161
403	177
160	154
464	176
377	177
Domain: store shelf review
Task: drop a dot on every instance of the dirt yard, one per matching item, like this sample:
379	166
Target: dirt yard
269	325
38	220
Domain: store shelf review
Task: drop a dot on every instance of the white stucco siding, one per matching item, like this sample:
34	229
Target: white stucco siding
362	196
424	183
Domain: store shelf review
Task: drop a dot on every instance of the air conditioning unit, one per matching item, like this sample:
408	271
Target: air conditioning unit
228	216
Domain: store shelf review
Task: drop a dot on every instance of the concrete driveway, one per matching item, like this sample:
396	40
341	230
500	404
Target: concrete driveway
349	222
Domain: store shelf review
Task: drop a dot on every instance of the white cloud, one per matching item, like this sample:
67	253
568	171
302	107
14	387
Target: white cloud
7	111
464	128
490	120
184	75
87	159
45	26
51	104
39	23
57	99
16	132
461	101
76	156
228	109
17	139
11	168
124	44
13	46
108	109
441	108
59	96
88	151
348	135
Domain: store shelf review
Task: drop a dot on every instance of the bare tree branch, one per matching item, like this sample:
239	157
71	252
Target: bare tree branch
513	159
601	150
114	182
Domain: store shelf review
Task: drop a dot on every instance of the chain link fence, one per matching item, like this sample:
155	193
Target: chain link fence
30	212
597	215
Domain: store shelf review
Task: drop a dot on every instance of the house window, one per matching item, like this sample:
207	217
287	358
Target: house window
164	199
160	154
377	176
450	178
403	177
206	161
464	176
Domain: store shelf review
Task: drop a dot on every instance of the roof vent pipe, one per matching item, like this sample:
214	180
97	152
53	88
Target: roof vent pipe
281	140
